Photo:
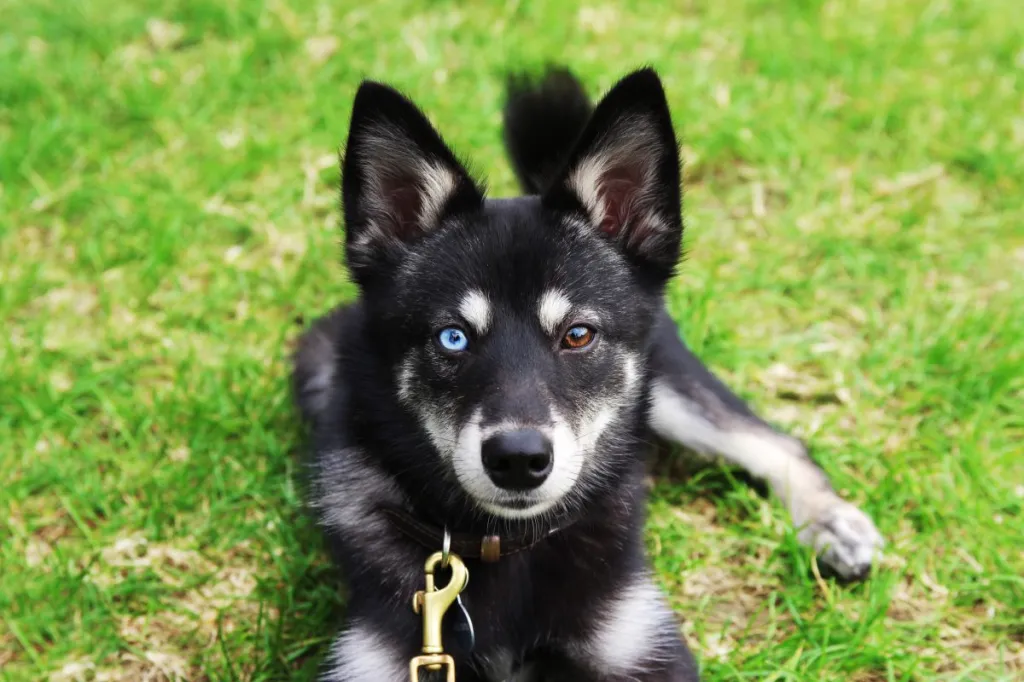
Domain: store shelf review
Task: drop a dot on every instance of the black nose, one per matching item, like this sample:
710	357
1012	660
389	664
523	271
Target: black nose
517	460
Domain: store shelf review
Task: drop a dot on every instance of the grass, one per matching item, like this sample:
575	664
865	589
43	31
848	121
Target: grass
855	205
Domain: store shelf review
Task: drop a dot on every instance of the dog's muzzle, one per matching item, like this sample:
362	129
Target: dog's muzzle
518	460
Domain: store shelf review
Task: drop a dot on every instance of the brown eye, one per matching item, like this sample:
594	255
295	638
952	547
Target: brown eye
578	337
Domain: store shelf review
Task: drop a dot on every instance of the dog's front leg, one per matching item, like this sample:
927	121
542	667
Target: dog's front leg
690	406
374	651
366	652
672	663
631	635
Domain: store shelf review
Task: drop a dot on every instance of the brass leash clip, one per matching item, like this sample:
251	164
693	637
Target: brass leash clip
433	603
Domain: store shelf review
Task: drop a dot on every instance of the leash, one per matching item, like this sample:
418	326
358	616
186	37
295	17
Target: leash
433	602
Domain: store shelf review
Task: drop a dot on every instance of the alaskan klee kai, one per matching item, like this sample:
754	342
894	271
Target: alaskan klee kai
503	374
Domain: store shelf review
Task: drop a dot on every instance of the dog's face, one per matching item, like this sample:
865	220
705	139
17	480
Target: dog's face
516	328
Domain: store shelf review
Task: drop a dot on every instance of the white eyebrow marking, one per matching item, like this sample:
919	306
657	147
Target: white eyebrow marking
554	307
476	310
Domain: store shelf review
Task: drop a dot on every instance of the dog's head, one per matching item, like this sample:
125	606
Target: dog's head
517	328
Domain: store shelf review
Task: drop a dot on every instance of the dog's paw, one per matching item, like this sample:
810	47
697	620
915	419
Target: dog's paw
845	539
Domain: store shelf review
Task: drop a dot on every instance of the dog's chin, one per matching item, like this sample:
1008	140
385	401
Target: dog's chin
517	508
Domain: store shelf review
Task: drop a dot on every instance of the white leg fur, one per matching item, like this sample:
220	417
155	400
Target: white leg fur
361	655
844	535
636	630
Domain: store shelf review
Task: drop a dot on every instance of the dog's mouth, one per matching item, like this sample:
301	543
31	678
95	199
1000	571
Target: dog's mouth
517	472
518	504
517	507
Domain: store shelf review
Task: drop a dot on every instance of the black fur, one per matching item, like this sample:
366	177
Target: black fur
397	419
542	121
390	135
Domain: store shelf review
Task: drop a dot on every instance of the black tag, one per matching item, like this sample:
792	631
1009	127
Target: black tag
462	628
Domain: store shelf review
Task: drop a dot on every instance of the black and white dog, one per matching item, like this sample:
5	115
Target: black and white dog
502	375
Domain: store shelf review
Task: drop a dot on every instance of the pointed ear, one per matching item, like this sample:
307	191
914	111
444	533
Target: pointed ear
622	176
399	179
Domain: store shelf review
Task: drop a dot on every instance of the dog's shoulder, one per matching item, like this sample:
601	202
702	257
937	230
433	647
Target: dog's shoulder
318	355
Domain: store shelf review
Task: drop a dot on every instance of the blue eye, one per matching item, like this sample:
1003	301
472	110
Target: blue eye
453	339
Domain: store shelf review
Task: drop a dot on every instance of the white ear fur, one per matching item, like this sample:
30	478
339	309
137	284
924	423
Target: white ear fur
617	182
398	180
402	194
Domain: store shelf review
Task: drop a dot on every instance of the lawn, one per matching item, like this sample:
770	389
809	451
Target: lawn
168	222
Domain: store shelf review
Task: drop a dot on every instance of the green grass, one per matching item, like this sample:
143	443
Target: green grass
855	206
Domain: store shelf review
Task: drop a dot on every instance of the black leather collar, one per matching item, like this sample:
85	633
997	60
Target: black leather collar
487	548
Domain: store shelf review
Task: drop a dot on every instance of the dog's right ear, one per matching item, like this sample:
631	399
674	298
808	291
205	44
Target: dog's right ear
399	180
622	177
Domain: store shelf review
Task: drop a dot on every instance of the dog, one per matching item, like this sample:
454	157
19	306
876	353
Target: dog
501	378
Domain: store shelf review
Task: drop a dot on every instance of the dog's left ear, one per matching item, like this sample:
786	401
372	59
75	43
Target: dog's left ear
623	175
399	180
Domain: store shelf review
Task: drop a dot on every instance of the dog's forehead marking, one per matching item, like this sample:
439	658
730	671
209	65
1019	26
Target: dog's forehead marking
476	310
552	309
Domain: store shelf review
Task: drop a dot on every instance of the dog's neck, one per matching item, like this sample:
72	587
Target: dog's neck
488	546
